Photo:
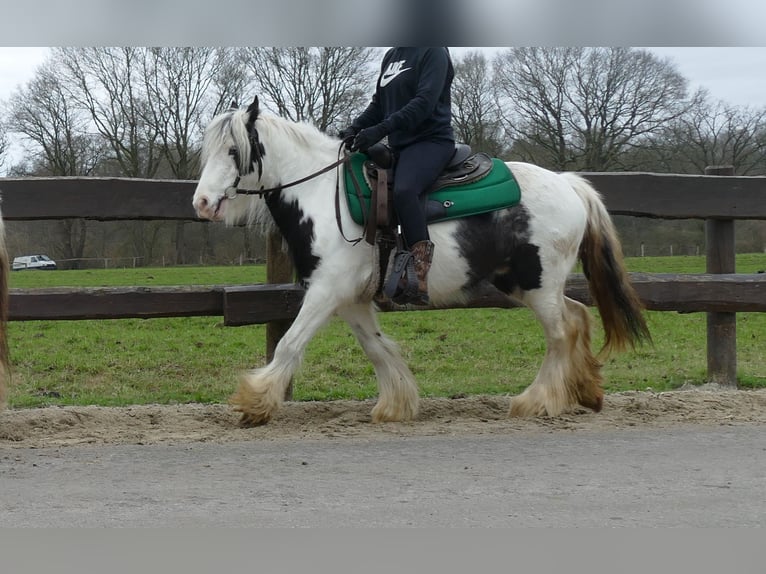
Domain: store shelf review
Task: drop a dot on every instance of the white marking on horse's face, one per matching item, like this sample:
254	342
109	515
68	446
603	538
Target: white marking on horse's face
210	199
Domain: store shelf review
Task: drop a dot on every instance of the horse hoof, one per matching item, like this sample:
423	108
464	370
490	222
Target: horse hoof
249	420
250	417
520	410
256	403
391	414
594	403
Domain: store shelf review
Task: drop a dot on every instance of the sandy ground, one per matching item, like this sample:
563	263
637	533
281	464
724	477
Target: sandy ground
335	420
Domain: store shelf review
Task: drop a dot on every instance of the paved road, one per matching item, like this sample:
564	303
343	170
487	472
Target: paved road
694	476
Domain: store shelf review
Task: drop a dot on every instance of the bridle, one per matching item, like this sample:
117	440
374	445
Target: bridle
257	152
256	157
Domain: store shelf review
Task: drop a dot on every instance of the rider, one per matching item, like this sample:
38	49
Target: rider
411	105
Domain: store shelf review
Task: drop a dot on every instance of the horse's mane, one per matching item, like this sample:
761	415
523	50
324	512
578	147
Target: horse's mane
219	130
301	134
232	124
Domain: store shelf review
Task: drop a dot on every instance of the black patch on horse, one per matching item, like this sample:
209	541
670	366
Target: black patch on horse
297	231
497	248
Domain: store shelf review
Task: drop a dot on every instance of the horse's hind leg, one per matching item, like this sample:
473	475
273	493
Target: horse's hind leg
585	369
398	392
569	374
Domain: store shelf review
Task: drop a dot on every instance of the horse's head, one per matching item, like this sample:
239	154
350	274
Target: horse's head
231	152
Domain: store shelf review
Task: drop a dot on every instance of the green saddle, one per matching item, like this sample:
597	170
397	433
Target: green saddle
497	189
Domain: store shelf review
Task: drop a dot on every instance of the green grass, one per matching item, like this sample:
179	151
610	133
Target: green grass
141	276
746	263
463	351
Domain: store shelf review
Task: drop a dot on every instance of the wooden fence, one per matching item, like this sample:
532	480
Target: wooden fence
718	197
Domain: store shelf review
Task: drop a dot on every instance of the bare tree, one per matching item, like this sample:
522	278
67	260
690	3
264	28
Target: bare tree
43	114
107	82
325	86
4	143
230	81
583	108
715	133
178	85
184	88
476	117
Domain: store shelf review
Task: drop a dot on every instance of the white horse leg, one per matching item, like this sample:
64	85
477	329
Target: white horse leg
261	391
398	392
569	374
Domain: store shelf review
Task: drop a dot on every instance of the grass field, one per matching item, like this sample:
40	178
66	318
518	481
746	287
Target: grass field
465	351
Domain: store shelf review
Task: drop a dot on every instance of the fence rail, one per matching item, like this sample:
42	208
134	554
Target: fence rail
718	197
665	196
254	304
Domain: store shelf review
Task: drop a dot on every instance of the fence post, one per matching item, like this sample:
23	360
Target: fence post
721	327
279	269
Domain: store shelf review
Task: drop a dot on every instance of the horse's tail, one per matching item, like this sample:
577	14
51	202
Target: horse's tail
4	356
602	259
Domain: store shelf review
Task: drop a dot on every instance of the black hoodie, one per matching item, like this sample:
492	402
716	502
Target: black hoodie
412	98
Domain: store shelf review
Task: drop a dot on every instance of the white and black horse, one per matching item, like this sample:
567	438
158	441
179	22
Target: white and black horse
527	251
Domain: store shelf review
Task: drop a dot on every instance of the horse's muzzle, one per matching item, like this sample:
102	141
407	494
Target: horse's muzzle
207	208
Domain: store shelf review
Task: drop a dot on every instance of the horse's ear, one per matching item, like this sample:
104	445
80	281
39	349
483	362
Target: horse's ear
234	105
253	110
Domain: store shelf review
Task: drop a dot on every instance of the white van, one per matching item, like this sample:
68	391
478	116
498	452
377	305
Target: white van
42	262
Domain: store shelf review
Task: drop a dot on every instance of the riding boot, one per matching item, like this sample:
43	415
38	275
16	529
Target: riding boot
422	254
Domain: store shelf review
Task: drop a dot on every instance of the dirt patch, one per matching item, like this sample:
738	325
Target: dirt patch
64	426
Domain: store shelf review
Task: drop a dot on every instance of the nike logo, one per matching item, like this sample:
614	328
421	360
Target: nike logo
393	70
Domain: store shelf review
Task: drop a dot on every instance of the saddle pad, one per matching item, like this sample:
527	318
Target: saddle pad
497	190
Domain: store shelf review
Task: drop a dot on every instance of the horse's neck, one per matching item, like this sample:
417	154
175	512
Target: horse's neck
292	154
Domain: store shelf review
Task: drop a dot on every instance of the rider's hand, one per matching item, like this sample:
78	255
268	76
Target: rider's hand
347	136
368	137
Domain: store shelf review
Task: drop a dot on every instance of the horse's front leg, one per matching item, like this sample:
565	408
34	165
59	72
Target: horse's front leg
261	391
397	390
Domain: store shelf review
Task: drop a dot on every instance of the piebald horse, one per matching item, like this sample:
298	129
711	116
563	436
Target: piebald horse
526	251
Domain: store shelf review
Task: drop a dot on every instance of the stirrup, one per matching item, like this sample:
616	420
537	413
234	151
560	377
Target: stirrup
402	283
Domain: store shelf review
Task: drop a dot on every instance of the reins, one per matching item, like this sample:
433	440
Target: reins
264	191
232	191
257	152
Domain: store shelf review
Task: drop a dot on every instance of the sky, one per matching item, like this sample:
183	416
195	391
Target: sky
732	74
17	67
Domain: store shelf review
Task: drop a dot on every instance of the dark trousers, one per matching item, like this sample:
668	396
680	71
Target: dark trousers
417	167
